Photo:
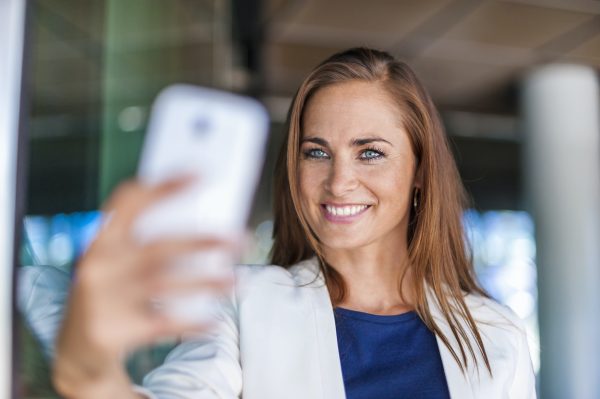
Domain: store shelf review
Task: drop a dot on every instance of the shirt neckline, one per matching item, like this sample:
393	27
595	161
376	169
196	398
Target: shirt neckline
376	318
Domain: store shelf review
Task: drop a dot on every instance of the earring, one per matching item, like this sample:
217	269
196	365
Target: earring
415	198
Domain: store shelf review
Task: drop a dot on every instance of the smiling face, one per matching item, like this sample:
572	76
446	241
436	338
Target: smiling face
356	167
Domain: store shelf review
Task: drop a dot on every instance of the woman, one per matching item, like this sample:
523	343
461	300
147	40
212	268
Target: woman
374	295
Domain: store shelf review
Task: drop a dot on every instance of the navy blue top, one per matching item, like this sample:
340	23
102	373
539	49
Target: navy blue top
389	356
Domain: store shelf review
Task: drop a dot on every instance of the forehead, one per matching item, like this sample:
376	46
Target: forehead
352	108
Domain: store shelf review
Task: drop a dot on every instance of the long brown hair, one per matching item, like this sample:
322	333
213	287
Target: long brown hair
439	256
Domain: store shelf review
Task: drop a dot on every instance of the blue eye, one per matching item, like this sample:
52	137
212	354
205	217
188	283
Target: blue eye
371	154
315	153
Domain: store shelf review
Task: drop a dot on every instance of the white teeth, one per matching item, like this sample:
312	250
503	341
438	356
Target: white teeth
345	210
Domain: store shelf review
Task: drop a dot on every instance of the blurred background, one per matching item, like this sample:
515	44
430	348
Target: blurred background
515	83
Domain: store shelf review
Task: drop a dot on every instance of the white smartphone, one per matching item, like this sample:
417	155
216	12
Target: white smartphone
219	137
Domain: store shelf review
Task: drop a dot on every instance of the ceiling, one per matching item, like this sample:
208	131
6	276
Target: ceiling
470	54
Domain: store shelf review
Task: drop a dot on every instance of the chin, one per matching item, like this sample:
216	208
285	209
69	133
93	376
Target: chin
342	243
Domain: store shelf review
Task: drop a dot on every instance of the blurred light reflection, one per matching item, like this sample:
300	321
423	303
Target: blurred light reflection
503	245
58	240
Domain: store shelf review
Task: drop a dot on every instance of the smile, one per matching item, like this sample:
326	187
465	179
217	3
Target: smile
344	213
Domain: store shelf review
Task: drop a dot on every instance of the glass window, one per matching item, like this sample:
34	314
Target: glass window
95	68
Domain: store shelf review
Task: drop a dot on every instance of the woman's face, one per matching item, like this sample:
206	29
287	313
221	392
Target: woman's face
356	167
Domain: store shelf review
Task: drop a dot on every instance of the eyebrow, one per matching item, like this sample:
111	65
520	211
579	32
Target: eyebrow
355	142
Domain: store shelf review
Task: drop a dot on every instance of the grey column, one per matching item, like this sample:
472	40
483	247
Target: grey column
561	108
12	34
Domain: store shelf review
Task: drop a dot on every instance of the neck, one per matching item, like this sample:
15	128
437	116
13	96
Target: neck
373	278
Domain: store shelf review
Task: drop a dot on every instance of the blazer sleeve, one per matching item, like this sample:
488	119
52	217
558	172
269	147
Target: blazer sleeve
202	366
523	384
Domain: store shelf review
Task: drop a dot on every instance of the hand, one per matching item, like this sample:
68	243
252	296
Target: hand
109	310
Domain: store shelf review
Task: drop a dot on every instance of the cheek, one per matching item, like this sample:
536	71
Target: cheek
390	183
310	177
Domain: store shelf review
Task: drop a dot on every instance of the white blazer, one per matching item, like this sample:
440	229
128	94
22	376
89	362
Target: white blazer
276	339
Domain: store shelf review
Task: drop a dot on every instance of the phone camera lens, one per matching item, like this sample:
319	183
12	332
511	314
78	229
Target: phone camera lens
201	126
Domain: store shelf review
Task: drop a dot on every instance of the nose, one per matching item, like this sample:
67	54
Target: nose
342	178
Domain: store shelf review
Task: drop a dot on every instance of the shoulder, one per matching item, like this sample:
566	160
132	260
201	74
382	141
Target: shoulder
274	282
506	343
302	273
503	332
487	311
272	296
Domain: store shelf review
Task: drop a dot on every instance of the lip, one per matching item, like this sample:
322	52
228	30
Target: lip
340	218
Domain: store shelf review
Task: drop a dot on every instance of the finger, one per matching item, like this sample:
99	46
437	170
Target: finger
172	247
183	284
162	326
164	253
245	244
132	197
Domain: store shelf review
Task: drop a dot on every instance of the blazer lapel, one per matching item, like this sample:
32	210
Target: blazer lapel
330	367
459	384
